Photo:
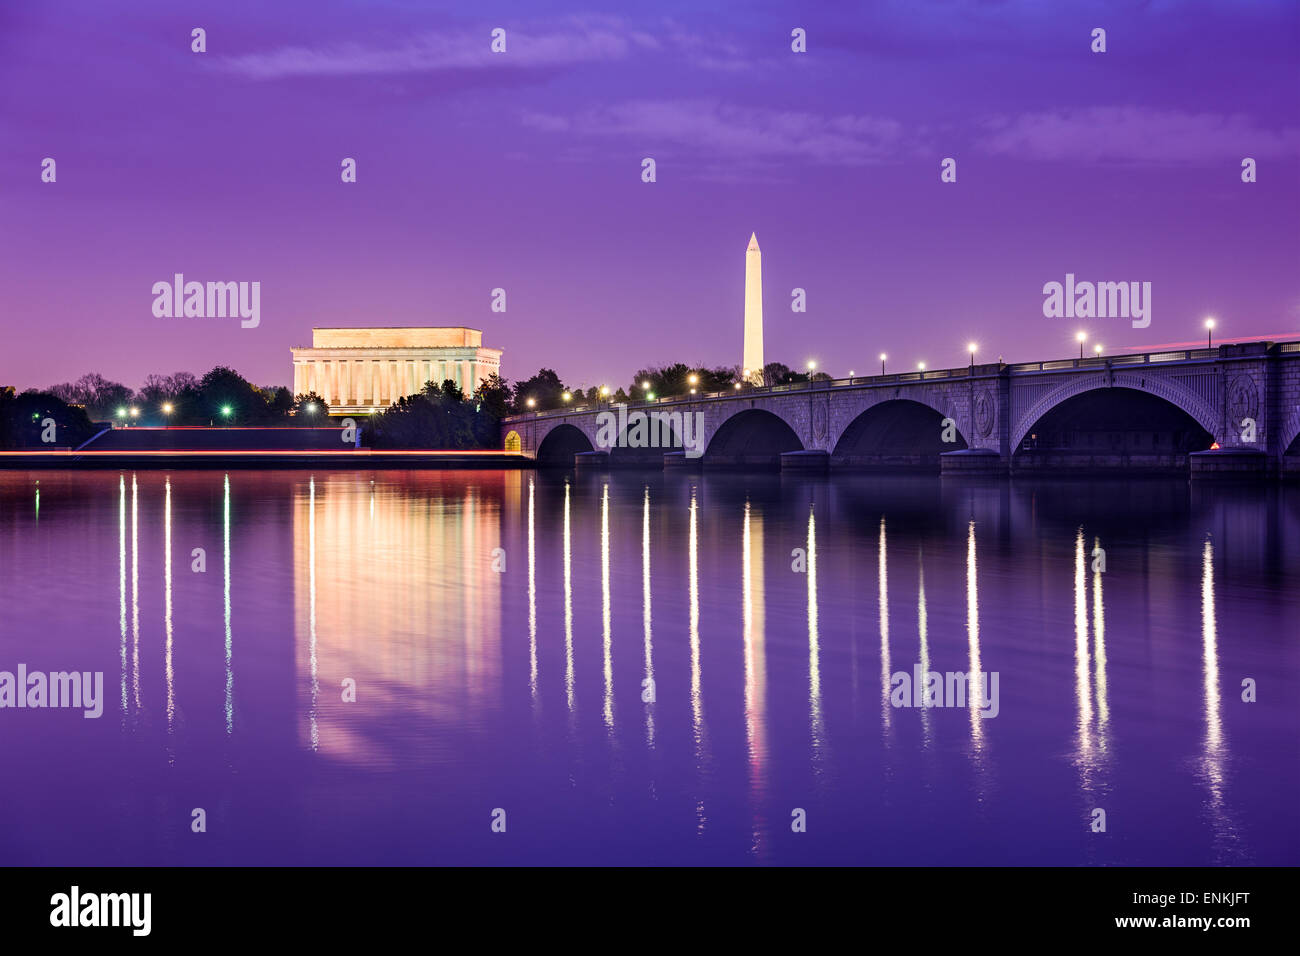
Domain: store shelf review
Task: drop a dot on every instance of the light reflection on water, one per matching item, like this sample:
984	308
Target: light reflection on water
567	676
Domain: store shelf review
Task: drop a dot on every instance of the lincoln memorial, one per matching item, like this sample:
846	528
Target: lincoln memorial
363	370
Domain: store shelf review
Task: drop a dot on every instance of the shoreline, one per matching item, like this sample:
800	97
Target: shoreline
352	458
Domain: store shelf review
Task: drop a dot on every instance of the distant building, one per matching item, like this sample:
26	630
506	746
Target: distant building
359	370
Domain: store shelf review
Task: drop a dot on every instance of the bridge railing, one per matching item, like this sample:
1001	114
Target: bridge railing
970	371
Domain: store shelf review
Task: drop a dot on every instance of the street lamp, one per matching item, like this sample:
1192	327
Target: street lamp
135	413
531	402
692	378
651	397
121	413
883	356
970	347
1209	333
645	386
567	396
226	410
1081	337
920	366
1097	349
167	408
737	386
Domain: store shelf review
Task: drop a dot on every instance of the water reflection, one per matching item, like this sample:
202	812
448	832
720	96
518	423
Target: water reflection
169	666
648	683
923	632
313	662
607	644
697	695
1214	756
753	622
882	556
1092	704
976	670
121	581
815	719
400	600
388	581
225	564
568	599
135	592
532	590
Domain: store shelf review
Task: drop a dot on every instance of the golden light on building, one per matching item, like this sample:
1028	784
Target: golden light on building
355	370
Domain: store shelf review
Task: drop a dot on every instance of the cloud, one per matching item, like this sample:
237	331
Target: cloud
713	130
1134	134
579	40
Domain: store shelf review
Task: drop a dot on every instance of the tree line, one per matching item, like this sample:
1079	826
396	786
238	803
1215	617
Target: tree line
438	416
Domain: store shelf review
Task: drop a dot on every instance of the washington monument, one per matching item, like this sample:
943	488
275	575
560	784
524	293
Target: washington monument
753	364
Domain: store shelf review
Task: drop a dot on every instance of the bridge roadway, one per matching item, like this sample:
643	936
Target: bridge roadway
1229	410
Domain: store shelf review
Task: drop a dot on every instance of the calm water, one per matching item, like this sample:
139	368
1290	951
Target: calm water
515	679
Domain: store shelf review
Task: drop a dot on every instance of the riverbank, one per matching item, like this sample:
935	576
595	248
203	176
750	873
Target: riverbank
279	458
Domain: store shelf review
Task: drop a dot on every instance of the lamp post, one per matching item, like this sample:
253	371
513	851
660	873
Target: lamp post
920	367
970	347
1097	350
1209	333
883	356
1081	337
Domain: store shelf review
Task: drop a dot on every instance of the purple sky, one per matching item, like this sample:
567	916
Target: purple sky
522	171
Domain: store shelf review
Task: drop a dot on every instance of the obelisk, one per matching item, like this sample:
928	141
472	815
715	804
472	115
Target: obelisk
753	363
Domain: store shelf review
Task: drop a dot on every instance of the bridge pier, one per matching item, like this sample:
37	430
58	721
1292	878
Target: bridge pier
1229	463
973	461
805	462
591	461
680	461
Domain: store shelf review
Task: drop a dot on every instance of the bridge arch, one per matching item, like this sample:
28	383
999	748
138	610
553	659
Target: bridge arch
1109	427
897	433
751	438
1172	392
561	443
1291	433
646	440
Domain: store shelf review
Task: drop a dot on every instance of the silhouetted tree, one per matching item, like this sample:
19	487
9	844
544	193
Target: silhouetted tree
25	418
545	388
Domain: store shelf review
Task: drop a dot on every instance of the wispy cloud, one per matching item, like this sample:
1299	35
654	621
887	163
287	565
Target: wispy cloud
709	129
1135	134
579	40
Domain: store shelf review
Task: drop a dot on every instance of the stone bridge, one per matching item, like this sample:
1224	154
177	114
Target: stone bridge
1231	409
